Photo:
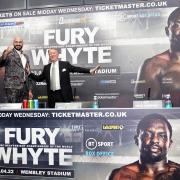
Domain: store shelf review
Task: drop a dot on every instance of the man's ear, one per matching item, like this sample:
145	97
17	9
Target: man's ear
136	139
167	31
171	141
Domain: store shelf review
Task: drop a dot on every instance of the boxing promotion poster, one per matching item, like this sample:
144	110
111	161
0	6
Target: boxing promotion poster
119	37
81	144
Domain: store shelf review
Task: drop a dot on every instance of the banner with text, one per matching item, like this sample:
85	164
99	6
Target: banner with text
117	36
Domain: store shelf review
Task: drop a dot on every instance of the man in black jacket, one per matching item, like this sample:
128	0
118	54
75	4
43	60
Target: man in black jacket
57	76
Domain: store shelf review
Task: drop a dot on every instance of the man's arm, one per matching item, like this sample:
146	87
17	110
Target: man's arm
3	58
148	80
82	70
93	70
34	77
37	78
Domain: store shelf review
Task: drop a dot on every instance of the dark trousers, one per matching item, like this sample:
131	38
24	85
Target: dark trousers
55	96
16	95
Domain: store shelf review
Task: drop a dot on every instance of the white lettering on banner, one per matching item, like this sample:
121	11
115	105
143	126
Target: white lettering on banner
5	114
46	11
22	144
77	42
29	13
33	172
89	114
32	135
6	14
38	55
65	157
104	54
71	36
31	114
75	9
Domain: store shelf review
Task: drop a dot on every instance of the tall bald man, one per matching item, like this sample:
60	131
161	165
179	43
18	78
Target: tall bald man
16	82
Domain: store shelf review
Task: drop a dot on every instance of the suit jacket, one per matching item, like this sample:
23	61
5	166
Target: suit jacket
64	70
14	71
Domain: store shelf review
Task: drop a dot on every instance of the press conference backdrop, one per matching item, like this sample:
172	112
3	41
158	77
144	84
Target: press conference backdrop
117	36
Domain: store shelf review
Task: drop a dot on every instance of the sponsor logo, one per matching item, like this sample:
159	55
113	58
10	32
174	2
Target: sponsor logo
76	127
92	144
112	127
5	24
99	153
108	82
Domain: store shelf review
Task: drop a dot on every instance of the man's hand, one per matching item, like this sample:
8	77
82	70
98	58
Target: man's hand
92	71
6	52
30	94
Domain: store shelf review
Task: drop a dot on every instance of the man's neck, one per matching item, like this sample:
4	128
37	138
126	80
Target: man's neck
174	55
19	51
152	167
54	61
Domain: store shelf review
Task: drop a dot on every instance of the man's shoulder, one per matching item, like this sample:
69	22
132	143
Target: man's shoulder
129	169
173	164
172	171
47	65
161	56
63	62
158	60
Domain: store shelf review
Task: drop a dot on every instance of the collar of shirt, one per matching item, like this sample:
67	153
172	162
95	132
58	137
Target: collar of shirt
56	63
19	52
23	58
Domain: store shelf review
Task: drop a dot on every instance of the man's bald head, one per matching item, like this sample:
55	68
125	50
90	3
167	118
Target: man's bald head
18	43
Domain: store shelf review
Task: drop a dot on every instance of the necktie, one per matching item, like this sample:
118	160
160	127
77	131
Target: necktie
53	77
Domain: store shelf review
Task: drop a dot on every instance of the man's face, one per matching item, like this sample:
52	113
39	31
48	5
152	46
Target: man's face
154	141
174	34
18	43
53	55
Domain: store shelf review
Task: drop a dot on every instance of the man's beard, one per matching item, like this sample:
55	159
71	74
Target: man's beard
18	48
149	156
175	44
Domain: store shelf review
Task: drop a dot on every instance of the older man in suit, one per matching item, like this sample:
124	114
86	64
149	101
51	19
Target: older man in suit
16	82
57	76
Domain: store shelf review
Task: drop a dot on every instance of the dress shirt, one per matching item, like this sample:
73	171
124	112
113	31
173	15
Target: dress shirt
23	58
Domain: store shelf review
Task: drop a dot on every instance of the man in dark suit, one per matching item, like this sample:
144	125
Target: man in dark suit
57	76
16	83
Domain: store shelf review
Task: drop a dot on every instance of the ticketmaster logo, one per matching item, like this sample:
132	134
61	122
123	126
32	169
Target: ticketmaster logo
112	127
